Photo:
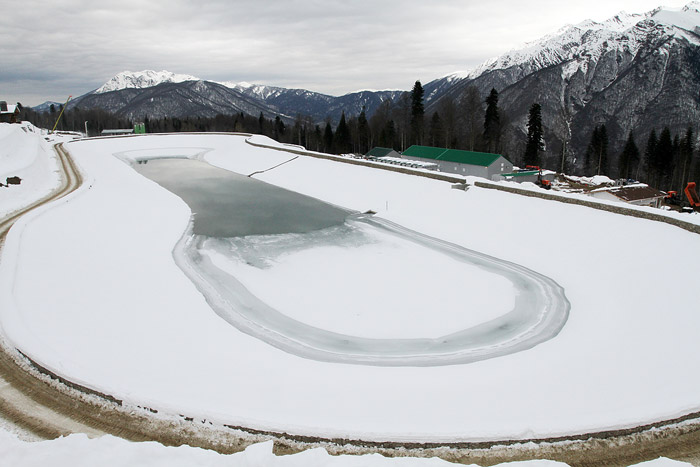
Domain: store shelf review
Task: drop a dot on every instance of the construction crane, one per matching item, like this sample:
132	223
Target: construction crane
59	115
693	200
541	182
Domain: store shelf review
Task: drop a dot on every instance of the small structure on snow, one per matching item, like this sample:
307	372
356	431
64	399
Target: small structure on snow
10	113
382	152
11	181
639	194
128	131
532	176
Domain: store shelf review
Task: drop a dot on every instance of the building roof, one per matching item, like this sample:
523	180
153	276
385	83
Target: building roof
522	173
11	109
633	192
482	159
379	152
118	132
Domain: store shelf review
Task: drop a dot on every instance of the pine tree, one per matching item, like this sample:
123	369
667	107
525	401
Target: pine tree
417	113
590	159
342	136
649	155
471	109
362	132
387	137
436	130
535	142
603	151
328	138
662	161
686	157
279	128
629	157
596	158
261	124
492	124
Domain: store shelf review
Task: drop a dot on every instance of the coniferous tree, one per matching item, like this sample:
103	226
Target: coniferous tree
629	157
492	122
279	128
328	138
471	109
362	132
603	151
448	122
417	113
261	124
387	137
436	131
535	142
596	159
591	151
662	160
644	169
686	157
342	138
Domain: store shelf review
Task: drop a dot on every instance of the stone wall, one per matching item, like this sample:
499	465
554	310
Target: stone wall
642	214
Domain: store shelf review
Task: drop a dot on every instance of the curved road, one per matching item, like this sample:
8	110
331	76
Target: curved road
49	406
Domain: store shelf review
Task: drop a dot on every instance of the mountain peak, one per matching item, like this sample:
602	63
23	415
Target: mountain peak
687	17
142	79
587	38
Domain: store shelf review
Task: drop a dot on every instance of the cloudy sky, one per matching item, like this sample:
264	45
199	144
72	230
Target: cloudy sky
52	48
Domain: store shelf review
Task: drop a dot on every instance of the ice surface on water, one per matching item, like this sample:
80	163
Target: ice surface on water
539	312
265	227
261	251
361	281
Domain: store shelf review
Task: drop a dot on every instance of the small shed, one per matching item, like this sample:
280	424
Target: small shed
639	194
129	131
382	152
9	113
479	164
532	176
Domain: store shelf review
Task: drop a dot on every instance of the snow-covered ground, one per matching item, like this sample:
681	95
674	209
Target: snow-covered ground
78	450
25	154
90	288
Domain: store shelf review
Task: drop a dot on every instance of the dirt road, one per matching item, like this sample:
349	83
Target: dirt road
49	406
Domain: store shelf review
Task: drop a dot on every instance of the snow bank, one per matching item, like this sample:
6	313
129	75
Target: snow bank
108	451
24	153
123	319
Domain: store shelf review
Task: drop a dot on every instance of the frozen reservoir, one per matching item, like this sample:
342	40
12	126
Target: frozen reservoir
324	283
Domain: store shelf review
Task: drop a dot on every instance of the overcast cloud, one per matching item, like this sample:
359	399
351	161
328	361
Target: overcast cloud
51	49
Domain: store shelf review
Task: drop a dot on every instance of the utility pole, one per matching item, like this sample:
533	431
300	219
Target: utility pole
59	115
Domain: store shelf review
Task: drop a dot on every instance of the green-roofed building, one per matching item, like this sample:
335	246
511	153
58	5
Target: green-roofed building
479	164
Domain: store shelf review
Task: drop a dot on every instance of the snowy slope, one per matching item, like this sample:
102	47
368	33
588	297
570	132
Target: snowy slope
182	358
588	40
24	153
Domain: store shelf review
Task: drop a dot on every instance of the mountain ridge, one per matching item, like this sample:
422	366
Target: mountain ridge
632	72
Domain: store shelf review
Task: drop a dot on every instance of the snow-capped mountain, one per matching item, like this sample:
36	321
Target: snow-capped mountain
579	44
633	72
141	80
165	94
